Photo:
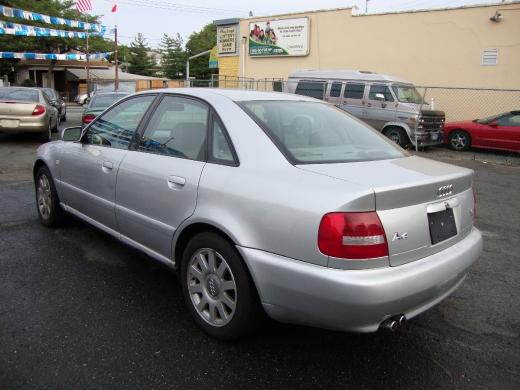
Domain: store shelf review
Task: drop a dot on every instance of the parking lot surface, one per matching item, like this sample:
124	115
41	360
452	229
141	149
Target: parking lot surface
80	310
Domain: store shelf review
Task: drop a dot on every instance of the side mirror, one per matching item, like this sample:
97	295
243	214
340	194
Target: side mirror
380	97
72	134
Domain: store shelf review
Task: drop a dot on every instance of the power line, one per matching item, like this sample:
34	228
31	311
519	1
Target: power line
158	4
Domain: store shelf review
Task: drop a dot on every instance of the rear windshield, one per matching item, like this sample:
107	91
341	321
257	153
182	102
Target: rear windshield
24	95
103	101
310	133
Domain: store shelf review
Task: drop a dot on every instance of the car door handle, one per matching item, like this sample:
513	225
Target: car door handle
176	182
107	166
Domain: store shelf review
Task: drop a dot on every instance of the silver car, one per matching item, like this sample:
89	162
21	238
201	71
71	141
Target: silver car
267	202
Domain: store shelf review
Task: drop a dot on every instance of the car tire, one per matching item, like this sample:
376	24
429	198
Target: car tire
398	135
459	140
48	206
218	288
46	135
64	118
56	128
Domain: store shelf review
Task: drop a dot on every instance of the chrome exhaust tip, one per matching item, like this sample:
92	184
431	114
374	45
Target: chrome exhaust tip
393	323
389	324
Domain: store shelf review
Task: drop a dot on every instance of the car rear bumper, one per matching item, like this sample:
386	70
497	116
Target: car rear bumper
24	125
357	300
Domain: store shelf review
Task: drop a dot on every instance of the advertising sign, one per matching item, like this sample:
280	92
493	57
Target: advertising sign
283	37
227	40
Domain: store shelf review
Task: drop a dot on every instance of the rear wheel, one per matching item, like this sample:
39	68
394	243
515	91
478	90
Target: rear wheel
50	212
459	140
217	287
56	127
398	135
46	135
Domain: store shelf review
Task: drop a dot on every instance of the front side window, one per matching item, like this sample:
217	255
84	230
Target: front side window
116	128
354	91
509	120
177	128
315	89
335	90
311	133
380	89
407	94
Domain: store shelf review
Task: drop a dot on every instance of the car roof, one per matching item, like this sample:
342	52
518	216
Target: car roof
237	95
345	74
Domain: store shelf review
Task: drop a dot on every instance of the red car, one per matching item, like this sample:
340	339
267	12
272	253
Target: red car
495	132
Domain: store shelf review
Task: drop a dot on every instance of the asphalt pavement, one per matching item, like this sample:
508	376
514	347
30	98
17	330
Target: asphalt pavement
79	310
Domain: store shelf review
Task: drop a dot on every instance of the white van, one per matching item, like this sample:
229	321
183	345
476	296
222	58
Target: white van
387	103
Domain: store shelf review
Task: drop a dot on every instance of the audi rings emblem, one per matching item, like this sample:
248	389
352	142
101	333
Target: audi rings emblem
445	191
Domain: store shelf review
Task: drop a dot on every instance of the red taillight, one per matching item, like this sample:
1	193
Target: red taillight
352	236
88	118
38	110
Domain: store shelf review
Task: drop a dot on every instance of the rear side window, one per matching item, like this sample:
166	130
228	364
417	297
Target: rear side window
382	89
354	91
315	89
335	90
313	132
220	149
177	128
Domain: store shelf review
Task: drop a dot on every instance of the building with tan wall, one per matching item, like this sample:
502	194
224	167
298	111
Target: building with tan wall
457	47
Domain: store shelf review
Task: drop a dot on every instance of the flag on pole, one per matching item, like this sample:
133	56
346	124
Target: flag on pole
83	6
114	8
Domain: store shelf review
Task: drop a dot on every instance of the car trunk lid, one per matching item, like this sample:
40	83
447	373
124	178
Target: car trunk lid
415	198
16	108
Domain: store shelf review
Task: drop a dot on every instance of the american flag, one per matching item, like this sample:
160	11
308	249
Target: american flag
83	5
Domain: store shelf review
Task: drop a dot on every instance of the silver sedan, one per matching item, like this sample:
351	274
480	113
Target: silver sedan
267	203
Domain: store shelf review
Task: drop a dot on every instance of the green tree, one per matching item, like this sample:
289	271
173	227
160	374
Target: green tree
61	8
173	63
138	60
198	42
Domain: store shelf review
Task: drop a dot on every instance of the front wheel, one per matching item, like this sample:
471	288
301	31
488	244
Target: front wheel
217	288
459	140
50	212
398	135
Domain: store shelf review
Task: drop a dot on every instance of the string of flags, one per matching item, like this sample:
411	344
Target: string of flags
28	15
52	56
9	28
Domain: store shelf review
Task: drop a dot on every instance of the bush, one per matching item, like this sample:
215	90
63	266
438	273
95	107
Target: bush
28	83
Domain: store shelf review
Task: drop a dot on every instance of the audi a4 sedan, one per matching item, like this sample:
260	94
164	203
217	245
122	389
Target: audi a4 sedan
267	203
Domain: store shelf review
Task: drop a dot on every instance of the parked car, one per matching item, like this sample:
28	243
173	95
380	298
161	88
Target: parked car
27	110
390	104
267	200
500	131
57	102
98	103
81	98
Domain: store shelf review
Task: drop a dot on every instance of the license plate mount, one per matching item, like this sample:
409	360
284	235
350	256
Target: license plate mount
9	123
442	225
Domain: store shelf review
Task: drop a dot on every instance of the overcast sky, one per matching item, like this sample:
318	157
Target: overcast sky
155	17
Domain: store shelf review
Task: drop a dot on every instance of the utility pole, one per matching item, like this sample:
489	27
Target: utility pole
188	65
366	6
88	67
116	84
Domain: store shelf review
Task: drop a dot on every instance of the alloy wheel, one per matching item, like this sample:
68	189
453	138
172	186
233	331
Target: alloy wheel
212	287
44	196
459	141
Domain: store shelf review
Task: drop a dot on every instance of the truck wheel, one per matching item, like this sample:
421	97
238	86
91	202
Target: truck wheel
398	135
217	287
